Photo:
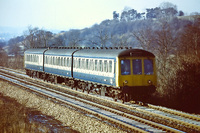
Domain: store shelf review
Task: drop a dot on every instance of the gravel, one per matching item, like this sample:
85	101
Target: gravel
69	117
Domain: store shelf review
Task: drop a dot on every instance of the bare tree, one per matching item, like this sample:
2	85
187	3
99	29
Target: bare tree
120	41
30	37
3	57
43	38
72	38
101	37
166	5
162	42
190	39
145	37
58	40
35	37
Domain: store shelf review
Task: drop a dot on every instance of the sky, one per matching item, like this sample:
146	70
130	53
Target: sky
75	14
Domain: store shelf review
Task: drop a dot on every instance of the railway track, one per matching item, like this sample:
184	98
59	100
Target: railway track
128	117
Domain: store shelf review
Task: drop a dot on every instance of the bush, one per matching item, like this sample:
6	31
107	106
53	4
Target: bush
183	91
188	87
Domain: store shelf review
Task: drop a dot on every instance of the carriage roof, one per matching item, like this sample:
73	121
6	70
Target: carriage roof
35	51
92	52
112	53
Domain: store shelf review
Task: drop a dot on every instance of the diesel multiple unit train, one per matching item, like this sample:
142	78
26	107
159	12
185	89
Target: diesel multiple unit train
117	72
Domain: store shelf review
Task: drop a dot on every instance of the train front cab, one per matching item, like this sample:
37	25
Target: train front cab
137	76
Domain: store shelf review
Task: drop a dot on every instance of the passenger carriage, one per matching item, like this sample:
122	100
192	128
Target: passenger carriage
33	61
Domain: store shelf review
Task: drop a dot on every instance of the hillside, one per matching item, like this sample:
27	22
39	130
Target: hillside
119	33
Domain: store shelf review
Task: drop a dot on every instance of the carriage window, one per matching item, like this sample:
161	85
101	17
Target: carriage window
92	64
61	61
137	67
95	65
68	62
74	62
110	66
125	67
31	58
83	64
79	63
54	61
105	69
36	57
46	60
87	63
148	66
51	60
64	61
27	57
100	66
58	61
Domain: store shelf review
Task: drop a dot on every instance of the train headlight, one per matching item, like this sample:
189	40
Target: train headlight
126	82
150	82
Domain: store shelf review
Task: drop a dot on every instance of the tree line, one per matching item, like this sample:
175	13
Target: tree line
165	9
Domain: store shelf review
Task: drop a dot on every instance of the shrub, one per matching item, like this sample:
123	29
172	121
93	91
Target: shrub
183	91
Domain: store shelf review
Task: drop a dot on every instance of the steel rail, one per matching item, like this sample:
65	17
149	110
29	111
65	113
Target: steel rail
189	125
175	112
112	120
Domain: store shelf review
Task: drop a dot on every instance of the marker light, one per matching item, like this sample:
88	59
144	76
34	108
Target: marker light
149	82
126	82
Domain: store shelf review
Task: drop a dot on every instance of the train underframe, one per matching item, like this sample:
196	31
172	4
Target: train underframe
125	93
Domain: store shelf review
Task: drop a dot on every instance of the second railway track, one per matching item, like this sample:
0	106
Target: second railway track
128	117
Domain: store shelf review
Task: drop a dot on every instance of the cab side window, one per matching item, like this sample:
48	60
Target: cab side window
125	67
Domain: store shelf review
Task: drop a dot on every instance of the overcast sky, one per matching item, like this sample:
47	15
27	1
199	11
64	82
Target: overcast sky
70	14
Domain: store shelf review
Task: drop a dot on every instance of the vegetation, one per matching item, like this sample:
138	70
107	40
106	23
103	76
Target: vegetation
165	31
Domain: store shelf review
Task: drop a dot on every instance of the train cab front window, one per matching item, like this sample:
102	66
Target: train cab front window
125	67
137	67
148	66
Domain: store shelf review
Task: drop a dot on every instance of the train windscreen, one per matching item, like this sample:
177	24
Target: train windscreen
137	66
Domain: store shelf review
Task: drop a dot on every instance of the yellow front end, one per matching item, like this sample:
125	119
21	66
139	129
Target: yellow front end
136	72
